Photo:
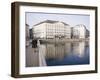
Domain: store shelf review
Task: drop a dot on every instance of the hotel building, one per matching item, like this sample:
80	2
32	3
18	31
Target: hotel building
79	31
50	29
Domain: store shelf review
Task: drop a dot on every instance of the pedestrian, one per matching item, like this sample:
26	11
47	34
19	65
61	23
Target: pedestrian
34	43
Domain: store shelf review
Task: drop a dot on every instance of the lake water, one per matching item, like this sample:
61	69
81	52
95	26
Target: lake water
66	53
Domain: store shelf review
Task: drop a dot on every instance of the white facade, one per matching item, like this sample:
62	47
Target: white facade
52	29
67	31
79	31
39	31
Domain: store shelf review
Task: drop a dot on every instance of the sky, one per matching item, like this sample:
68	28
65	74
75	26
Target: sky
33	18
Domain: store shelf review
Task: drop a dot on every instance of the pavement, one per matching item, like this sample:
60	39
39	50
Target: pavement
32	57
35	57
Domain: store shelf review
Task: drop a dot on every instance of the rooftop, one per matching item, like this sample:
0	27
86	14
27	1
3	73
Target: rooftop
50	21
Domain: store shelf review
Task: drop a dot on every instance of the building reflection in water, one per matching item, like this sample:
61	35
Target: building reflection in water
62	53
55	51
50	54
60	50
78	49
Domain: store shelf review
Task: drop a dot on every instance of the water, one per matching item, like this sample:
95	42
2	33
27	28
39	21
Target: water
66	53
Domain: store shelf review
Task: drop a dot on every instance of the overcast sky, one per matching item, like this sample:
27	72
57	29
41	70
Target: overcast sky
33	18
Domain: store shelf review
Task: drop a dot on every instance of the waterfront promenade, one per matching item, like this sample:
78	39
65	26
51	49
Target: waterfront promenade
63	40
32	57
35	56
